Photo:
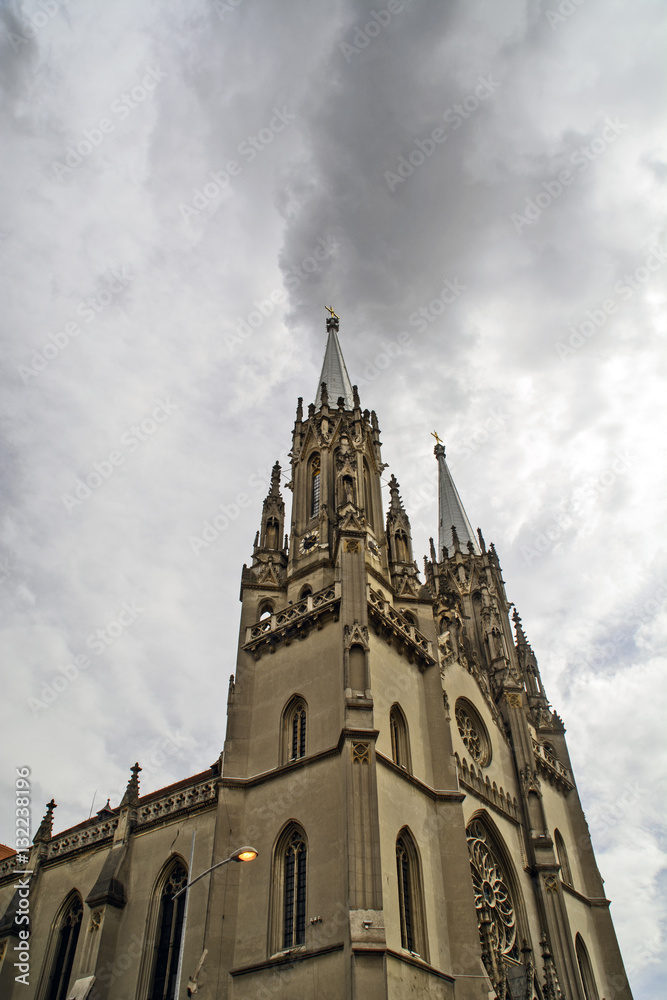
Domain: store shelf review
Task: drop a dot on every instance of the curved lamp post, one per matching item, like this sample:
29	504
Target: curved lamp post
240	855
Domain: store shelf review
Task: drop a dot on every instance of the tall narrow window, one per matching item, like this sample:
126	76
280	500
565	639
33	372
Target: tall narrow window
400	745
563	860
298	748
586	970
68	935
288	890
169	929
410	896
315	486
294	919
294	730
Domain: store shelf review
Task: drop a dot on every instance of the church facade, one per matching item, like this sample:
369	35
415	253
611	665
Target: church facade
391	755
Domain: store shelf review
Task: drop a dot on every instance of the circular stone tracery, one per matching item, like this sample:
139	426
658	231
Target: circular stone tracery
492	892
472	733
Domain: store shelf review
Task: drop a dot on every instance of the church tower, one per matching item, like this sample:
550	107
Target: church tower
392	754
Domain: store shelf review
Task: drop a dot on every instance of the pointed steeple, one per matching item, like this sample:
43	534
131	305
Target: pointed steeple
451	511
334	373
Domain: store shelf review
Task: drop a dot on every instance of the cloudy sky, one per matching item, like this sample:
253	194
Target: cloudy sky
478	188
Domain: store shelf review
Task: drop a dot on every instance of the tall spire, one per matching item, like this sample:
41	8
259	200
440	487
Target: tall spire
450	510
334	372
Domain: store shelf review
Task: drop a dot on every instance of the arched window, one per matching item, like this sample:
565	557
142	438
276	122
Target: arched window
314	485
69	926
494	895
368	496
305	591
288	907
586	969
563	860
400	743
265	610
410	896
168	938
409	617
294	730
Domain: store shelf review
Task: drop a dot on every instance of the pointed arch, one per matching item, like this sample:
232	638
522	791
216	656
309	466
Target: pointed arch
563	860
164	926
287	909
368	495
314	481
410	895
400	738
501	915
293	729
62	949
586	969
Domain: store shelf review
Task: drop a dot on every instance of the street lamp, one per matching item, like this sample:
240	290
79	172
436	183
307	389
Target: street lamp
243	854
240	855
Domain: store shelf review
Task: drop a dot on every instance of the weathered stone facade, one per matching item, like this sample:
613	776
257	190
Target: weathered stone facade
391	754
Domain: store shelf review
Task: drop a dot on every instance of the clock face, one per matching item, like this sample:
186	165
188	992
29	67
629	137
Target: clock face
372	546
308	542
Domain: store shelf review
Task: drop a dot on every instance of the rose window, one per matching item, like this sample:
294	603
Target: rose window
492	892
472	732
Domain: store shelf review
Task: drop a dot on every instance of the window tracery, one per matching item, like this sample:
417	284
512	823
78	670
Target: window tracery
473	732
169	929
63	960
493	895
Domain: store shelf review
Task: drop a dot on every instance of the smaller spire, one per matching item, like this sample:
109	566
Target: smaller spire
518	628
131	797
45	831
275	480
395	502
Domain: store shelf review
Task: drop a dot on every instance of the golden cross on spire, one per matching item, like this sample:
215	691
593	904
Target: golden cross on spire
434	434
333	314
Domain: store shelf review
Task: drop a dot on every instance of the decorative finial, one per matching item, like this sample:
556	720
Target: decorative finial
355	398
45	830
438	440
275	480
395	503
332	320
455	539
482	543
131	796
324	394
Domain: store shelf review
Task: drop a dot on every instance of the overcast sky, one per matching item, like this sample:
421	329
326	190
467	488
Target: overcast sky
186	185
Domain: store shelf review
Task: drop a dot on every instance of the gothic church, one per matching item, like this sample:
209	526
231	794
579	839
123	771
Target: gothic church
390	754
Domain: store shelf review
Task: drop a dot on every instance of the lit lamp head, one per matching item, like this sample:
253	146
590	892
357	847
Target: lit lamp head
244	854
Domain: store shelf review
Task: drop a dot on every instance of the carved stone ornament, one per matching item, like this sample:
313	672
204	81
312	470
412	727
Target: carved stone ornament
95	920
351	545
356	633
551	883
361	753
514	700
